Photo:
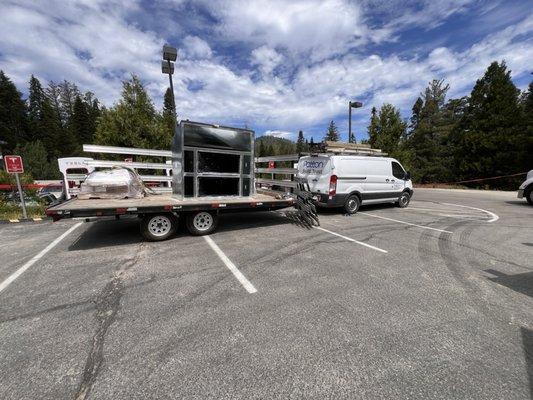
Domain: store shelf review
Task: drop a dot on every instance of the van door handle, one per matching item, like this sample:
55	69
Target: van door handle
386	180
315	180
392	180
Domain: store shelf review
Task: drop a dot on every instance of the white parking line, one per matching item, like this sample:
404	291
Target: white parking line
234	270
351	240
36	258
403	222
494	217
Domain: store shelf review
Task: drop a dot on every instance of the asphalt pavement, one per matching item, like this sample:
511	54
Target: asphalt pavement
434	301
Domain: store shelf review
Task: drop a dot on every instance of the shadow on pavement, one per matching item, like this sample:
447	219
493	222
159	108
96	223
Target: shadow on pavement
107	234
237	221
527	343
522	283
518	203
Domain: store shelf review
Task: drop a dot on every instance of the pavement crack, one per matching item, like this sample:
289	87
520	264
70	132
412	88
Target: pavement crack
107	305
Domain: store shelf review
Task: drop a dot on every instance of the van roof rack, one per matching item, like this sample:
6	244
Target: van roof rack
354	149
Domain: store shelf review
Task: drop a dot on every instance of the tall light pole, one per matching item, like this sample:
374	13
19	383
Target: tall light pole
352	104
167	67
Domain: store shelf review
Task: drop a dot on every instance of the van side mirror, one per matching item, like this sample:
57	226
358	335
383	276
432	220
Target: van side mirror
407	176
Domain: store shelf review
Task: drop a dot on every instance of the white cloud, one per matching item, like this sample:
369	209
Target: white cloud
266	59
194	47
280	134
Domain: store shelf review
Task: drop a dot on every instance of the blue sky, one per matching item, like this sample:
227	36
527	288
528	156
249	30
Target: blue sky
276	66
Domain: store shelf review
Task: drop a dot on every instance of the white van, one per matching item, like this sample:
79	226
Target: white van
348	181
526	188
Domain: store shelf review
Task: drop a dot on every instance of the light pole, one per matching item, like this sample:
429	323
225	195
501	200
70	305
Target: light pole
167	67
352	104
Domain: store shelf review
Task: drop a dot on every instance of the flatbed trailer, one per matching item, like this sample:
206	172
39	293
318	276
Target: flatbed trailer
159	214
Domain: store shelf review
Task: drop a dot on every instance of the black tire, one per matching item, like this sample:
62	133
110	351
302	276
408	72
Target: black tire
404	199
158	227
201	223
351	205
529	196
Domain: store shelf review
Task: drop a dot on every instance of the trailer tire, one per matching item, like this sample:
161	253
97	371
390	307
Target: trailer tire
351	206
201	223
158	227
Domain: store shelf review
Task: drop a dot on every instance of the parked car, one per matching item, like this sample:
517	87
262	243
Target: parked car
346	181
526	188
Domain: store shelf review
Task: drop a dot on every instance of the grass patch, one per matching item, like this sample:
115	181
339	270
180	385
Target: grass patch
13	211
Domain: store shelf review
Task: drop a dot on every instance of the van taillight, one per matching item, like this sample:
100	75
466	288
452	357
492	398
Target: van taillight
333	185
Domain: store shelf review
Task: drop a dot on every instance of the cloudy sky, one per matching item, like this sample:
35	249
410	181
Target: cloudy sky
276	66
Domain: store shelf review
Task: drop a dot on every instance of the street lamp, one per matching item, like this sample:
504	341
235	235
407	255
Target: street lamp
352	104
167	67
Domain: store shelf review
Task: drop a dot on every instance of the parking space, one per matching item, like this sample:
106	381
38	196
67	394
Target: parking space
431	301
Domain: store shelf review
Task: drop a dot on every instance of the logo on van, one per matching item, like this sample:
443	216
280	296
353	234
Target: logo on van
314	164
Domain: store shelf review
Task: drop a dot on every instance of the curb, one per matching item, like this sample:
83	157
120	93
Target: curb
15	221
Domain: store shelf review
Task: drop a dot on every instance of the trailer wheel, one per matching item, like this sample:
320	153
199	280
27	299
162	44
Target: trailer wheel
352	204
404	199
158	227
201	223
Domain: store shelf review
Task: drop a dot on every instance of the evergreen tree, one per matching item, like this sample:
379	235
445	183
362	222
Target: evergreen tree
427	140
68	92
373	127
261	152
332	134
80	123
492	140
300	143
133	121
35	161
13	114
35	108
311	142
386	129
169	120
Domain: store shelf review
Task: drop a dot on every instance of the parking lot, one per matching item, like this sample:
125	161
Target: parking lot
434	301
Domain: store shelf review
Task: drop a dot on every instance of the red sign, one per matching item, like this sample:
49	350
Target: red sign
271	165
14	164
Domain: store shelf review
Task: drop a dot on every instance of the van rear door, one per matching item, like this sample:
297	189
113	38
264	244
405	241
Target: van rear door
317	171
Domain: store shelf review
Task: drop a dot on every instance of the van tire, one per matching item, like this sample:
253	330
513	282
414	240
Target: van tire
201	223
351	205
529	195
158	227
404	199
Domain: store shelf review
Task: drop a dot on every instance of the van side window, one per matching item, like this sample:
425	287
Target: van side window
397	170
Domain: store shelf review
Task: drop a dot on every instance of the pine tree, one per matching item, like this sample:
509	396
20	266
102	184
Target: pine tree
36	162
373	127
36	98
80	122
300	143
13	114
386	129
332	134
261	152
427	140
311	142
492	140
133	121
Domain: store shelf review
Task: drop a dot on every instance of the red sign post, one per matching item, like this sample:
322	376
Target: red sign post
14	166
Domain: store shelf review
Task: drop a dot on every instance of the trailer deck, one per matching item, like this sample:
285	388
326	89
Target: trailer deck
163	203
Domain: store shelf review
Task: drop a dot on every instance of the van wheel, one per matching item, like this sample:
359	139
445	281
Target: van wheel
158	227
529	196
352	204
201	223
404	199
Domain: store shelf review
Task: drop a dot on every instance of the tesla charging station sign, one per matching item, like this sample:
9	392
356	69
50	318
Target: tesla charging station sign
14	166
